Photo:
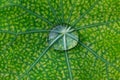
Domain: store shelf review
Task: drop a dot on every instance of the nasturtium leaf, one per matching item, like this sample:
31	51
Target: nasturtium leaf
90	51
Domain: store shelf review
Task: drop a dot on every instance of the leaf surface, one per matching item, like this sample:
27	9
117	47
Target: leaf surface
24	30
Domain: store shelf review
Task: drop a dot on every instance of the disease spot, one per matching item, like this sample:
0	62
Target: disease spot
68	40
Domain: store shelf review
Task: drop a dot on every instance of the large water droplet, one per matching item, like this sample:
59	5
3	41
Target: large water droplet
59	44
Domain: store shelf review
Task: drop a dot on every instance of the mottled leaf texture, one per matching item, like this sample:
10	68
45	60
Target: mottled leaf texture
25	51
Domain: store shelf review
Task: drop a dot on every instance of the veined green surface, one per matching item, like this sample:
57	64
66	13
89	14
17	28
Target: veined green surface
24	30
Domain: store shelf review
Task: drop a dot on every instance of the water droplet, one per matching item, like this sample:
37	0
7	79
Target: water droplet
64	30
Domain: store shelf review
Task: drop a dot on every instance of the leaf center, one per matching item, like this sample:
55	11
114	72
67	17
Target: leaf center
64	30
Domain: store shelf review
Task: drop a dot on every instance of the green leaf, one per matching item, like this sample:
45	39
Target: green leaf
25	51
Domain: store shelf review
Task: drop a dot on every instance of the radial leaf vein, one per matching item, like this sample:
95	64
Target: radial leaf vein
101	58
7	32
53	10
62	10
97	24
107	72
67	58
33	31
26	32
71	11
86	12
41	55
95	54
31	12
